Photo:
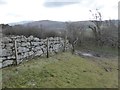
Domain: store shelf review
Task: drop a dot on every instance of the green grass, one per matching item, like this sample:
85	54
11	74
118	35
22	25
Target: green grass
62	71
102	50
0	79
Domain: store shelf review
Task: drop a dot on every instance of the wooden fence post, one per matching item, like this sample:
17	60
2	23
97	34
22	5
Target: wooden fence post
65	44
47	47
16	53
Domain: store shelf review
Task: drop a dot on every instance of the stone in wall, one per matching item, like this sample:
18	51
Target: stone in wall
10	57
7	62
0	51
50	50
26	54
5	52
34	43
44	50
25	44
38	53
23	39
23	49
31	53
30	38
20	57
9	45
6	40
36	39
37	48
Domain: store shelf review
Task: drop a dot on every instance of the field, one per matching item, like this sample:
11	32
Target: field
63	70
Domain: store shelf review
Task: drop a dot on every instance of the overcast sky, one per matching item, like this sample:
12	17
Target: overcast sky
57	10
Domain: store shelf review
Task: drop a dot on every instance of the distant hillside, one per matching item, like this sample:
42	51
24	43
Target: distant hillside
57	25
19	23
47	24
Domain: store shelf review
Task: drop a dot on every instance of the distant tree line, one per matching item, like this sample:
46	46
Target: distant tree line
27	31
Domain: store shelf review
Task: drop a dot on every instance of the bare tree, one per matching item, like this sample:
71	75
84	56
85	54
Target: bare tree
97	28
73	33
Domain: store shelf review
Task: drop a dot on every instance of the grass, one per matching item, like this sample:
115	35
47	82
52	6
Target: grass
101	50
62	71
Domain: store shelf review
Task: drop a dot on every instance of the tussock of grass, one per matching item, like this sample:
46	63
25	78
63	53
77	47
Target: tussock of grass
62	71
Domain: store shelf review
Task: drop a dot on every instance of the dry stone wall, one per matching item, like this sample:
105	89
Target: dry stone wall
28	48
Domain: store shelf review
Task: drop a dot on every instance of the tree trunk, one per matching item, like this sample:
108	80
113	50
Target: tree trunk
73	48
97	35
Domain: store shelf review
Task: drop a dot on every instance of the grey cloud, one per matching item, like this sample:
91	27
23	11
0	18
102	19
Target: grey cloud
2	2
56	3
